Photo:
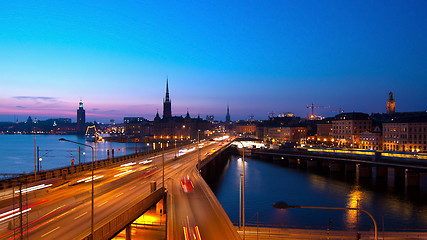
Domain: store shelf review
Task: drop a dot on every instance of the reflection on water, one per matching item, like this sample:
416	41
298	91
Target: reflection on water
353	201
267	183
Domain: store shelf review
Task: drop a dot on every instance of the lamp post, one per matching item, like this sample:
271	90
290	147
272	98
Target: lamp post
284	205
240	202
243	189
163	164
92	202
175	148
198	151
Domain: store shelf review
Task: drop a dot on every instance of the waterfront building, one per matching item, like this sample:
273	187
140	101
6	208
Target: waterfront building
391	104
406	132
324	130
371	140
286	128
279	134
81	119
346	128
138	127
245	127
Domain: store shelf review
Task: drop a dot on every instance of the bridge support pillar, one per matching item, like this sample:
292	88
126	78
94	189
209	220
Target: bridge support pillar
365	171
399	177
293	162
381	172
312	163
153	186
336	167
303	163
325	166
129	232
399	173
350	168
412	178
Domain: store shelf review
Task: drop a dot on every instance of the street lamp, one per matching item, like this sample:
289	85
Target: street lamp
243	190
163	164
198	151
240	202
92	202
284	205
175	148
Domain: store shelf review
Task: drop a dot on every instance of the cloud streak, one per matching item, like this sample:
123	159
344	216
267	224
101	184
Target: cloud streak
36	99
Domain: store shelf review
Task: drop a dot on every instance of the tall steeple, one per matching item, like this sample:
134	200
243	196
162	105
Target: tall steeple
167	90
227	117
167	108
81	119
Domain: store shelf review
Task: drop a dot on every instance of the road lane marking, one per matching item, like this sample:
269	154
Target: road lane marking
80	216
119	195
102	203
132	188
50	231
43	223
55	209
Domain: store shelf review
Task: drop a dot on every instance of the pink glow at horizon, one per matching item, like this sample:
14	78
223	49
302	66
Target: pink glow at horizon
41	108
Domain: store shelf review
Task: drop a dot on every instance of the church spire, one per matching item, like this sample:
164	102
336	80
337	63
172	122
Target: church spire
167	91
227	117
167	109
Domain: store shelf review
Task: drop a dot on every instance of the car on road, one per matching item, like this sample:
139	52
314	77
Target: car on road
186	184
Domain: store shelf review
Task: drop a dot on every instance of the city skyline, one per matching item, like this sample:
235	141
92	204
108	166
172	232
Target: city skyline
256	58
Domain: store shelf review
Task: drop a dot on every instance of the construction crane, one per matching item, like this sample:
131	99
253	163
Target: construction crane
312	106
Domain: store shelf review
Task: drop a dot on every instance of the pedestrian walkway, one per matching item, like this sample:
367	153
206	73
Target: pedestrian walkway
262	233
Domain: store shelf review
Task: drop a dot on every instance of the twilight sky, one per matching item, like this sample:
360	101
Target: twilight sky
257	56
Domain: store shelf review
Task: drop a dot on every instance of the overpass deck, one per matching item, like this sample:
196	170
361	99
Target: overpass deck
402	163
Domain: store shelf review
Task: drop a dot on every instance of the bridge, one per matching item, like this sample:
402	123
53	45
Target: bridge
61	209
405	170
125	188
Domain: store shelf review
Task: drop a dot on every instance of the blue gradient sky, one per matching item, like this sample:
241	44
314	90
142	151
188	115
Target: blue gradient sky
258	56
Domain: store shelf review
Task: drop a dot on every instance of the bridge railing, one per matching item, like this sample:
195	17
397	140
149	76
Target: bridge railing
66	172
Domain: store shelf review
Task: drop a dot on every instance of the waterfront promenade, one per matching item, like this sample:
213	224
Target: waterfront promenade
261	233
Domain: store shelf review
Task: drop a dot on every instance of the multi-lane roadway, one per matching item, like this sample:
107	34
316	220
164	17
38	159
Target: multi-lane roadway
64	212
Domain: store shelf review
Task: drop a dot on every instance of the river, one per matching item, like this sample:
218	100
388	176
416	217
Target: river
17	151
267	183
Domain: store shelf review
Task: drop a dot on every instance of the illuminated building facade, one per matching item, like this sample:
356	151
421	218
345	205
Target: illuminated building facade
406	132
371	140
245	128
346	127
138	127
324	130
286	134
